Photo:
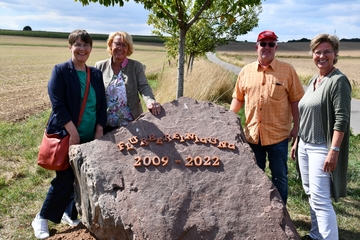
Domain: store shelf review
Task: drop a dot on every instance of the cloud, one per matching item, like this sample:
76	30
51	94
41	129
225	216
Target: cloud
67	15
305	19
290	19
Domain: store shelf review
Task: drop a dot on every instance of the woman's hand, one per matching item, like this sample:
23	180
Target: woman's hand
74	135
99	131
332	156
331	161
74	139
154	108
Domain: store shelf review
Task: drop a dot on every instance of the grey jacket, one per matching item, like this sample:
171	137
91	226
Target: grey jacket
335	111
135	81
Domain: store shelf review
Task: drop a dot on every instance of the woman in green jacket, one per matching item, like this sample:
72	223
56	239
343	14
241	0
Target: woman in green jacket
323	142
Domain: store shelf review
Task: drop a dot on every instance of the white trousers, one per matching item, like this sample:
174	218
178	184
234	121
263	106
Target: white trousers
316	184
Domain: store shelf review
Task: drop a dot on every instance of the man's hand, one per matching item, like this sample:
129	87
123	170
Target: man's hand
293	135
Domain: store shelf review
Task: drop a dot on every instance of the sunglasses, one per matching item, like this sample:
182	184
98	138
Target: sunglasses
270	44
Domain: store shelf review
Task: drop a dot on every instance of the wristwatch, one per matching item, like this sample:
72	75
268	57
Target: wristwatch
336	149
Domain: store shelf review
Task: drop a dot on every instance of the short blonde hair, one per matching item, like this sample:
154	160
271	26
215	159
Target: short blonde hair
125	37
324	37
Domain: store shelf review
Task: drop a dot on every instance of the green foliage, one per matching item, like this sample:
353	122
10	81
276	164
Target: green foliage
216	26
34	33
106	3
223	19
354	166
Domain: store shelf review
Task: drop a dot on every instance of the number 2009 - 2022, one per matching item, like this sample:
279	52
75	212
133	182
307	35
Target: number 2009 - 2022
190	161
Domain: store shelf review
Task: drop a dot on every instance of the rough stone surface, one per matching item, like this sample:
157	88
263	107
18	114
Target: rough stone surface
234	200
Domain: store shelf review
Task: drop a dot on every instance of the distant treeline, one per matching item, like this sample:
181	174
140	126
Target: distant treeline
94	36
341	40
97	36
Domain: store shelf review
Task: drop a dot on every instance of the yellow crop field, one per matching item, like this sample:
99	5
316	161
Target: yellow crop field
297	54
26	64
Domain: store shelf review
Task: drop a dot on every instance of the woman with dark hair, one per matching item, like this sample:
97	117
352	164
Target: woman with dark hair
66	89
323	138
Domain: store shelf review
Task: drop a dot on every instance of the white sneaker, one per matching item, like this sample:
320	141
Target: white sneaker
67	220
40	226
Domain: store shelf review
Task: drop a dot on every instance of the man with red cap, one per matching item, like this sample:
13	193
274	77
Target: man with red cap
270	90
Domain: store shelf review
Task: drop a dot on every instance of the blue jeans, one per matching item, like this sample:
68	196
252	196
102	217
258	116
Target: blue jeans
60	197
278	156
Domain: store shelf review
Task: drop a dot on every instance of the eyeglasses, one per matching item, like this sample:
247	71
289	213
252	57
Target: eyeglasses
270	44
325	53
79	45
120	45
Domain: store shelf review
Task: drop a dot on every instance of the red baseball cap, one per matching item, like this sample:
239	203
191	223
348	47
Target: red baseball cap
267	34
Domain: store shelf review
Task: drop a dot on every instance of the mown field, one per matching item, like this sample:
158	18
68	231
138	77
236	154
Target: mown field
25	67
26	64
297	54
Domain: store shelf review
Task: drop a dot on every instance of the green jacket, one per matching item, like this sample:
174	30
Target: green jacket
335	111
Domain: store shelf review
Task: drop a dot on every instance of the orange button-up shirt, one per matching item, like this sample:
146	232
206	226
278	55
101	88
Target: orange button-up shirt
268	94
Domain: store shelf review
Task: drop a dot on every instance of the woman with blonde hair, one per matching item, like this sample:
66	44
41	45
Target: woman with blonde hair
323	138
124	80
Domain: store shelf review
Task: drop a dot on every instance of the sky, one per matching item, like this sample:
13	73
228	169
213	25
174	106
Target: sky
289	19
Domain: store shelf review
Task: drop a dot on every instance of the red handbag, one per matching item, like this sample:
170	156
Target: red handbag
53	152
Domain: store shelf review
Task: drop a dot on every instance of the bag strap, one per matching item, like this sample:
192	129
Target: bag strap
86	93
83	104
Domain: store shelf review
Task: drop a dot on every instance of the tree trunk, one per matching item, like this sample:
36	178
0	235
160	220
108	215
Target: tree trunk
188	66
192	62
180	83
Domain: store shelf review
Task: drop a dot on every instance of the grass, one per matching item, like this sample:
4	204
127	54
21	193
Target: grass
23	185
234	59
207	81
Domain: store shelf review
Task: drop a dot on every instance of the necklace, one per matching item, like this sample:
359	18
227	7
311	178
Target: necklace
319	79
